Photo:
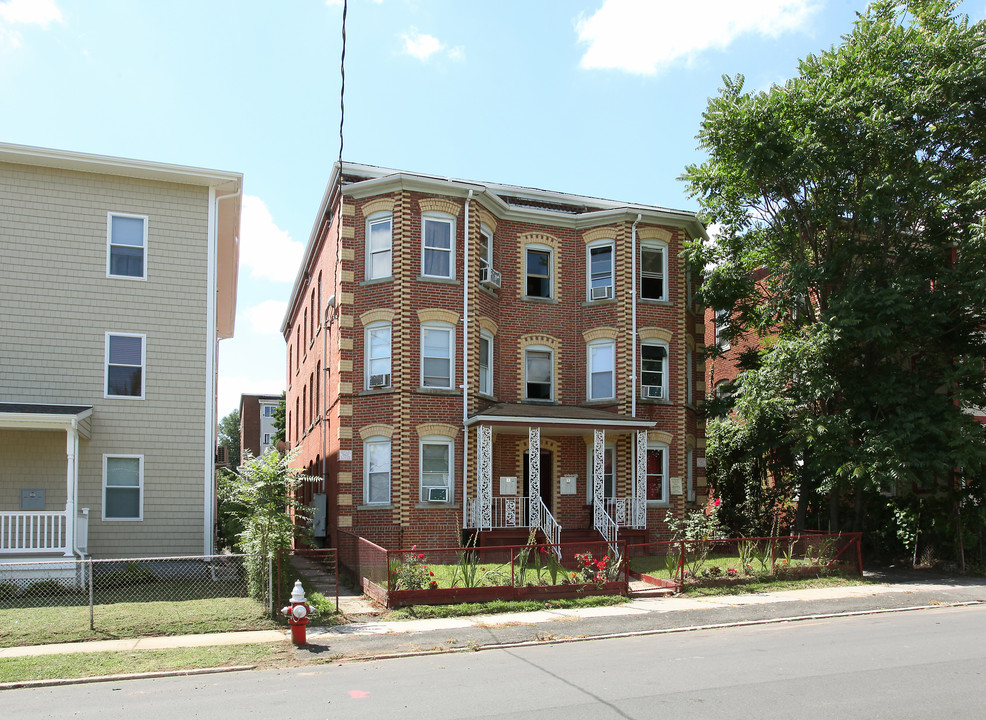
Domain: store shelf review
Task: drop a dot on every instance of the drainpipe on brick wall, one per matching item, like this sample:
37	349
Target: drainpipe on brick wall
465	360
633	317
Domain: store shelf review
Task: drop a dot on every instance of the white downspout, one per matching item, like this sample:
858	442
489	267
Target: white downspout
465	361
633	316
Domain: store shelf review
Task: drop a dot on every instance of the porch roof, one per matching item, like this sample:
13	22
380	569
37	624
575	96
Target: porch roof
46	416
561	418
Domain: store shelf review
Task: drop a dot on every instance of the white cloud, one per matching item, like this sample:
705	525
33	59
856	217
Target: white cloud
265	318
643	37
267	250
421	45
232	386
25	12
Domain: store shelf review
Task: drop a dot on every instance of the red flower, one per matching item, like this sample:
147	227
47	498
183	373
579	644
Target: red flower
716	502
432	574
421	557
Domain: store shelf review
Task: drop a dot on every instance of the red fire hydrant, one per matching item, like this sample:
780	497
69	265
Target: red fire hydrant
298	613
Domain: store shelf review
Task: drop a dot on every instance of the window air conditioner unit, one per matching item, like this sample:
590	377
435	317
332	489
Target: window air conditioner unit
653	391
490	277
380	380
437	494
602	292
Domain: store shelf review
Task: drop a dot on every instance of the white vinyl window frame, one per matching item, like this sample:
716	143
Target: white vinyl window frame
721	322
665	500
539	352
134	488
124	248
432	360
379	246
486	363
114	362
609	458
600	270
546	279
377	354
654	280
432	253
485	249
652	375
601	370
436	467
376	470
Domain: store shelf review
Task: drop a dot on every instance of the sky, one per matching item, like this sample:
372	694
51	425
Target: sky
595	97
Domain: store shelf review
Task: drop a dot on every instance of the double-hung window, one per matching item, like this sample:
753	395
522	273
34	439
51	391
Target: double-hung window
378	351
123	487
436	469
654	371
722	327
600	262
436	356
485	363
125	354
379	247
376	471
438	247
537	264
126	239
485	253
538	365
657	473
602	370
653	271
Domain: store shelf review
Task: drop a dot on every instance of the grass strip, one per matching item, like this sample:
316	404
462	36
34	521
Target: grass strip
417	612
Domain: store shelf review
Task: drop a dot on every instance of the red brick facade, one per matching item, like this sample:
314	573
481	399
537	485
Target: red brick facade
335	414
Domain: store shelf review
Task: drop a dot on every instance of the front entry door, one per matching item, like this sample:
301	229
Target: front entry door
546	475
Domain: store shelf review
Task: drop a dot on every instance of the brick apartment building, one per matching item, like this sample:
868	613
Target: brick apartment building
469	356
257	423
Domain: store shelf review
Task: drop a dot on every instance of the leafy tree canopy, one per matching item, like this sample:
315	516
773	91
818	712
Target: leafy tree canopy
229	436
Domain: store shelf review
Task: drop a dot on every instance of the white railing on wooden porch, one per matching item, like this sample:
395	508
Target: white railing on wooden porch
505	512
621	511
22	532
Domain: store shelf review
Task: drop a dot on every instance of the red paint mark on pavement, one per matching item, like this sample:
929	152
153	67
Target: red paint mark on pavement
357	694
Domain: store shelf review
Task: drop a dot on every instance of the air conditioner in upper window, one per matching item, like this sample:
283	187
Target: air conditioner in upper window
489	276
380	380
653	391
437	494
601	292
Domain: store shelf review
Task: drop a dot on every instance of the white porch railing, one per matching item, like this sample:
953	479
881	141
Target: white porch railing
622	511
550	527
505	512
34	532
605	524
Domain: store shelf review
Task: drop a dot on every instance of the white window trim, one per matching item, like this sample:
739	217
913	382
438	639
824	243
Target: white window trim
106	365
665	373
551	267
665	480
450	484
690	475
109	244
721	323
488	390
370	221
596	344
366	352
487	260
377	440
608	447
551	364
596	245
140	488
451	350
654	245
450	221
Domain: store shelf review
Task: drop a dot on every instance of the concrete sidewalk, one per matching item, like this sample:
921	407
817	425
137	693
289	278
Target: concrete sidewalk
893	591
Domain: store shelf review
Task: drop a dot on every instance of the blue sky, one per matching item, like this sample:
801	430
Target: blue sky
595	97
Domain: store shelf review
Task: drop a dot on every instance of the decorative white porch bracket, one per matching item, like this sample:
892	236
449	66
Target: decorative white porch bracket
598	489
484	462
640	482
534	476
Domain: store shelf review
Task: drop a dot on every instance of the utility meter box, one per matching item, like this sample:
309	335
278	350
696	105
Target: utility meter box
508	485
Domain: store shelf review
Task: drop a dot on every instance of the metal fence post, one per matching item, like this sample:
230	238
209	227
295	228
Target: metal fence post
270	586
92	623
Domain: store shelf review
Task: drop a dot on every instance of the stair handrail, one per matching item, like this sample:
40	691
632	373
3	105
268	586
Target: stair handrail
605	524
549	526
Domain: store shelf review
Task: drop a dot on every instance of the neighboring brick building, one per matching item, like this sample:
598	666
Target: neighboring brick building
257	423
525	298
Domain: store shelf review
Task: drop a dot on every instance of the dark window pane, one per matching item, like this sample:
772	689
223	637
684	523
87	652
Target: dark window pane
127	261
123	381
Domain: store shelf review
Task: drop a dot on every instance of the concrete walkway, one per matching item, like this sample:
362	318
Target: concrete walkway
894	591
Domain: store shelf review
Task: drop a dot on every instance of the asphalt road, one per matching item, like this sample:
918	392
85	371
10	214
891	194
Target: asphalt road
919	664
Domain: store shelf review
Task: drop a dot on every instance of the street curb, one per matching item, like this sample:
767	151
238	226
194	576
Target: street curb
55	682
661	631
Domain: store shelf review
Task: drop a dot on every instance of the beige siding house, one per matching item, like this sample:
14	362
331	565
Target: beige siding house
117	280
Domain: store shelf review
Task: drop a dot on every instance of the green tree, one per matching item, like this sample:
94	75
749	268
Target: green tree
857	192
279	421
261	498
229	436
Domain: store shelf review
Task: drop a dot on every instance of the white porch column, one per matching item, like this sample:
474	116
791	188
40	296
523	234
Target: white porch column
598	479
534	476
640	482
484	463
71	486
